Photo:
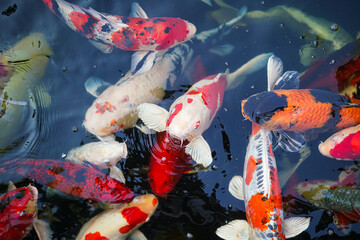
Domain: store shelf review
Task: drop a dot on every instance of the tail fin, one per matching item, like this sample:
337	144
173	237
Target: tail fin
236	78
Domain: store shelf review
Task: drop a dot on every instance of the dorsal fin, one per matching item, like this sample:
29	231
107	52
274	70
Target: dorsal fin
137	11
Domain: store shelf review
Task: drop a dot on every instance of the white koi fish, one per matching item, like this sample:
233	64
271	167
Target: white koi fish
115	108
121	221
192	113
104	154
261	192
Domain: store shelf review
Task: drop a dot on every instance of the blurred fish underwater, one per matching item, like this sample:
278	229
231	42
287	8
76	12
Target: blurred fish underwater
44	65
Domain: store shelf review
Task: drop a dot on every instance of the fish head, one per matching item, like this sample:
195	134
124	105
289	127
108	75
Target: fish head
189	118
264	108
173	31
108	153
21	205
315	191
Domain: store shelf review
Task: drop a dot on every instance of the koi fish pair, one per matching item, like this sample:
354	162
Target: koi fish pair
148	37
259	187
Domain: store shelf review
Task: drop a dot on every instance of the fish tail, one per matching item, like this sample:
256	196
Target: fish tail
237	77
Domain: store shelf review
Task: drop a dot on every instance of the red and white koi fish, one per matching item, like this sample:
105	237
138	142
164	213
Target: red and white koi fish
261	192
192	113
18	214
104	154
343	145
115	108
120	222
146	36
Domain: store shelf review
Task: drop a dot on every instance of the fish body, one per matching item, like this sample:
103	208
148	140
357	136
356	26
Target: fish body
343	145
301	110
115	108
21	69
75	179
18	214
121	221
134	33
167	164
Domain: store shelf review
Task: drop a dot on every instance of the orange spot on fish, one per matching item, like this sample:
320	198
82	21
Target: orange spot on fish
154	202
255	129
133	216
102	108
79	20
258	211
113	122
250	169
271	150
95	236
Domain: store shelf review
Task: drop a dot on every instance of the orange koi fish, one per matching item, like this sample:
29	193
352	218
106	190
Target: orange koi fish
343	145
146	36
121	221
18	214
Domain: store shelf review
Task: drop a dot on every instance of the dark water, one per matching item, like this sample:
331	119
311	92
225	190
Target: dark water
200	202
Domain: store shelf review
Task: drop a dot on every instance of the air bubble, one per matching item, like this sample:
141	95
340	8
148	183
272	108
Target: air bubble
334	27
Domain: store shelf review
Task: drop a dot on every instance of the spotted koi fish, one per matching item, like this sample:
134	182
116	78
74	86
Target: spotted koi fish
261	192
167	164
341	196
343	145
75	179
115	108
120	222
146	36
301	110
18	214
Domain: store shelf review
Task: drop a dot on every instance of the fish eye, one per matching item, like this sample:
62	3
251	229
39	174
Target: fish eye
172	111
23	213
197	124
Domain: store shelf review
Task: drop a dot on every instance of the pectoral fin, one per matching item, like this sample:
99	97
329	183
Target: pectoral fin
200	151
11	186
236	187
153	116
117	174
291	141
236	229
42	229
142	61
274	71
105	48
289	80
295	225
342	222
95	86
137	11
137	235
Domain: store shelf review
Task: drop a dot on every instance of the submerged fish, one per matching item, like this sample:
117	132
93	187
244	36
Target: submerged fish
146	36
75	179
343	145
21	68
115	108
261	192
121	221
341	196
301	110
18	214
104	154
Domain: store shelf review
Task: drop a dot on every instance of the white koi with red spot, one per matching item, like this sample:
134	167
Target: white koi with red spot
121	221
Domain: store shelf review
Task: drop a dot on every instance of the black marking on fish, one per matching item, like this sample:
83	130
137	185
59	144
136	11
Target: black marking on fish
156	20
106	28
167	29
149	29
127	41
125	19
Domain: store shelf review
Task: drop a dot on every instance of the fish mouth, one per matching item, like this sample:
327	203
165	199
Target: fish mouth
34	192
192	30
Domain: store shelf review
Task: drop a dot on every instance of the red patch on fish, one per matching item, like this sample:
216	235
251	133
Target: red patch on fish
250	169
134	216
102	108
175	111
49	4
95	236
79	20
349	148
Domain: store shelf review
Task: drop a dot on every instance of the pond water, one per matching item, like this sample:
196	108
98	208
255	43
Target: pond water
200	202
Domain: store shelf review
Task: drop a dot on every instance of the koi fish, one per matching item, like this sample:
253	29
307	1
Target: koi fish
261	192
115	108
121	221
102	155
343	145
21	68
341	196
18	214
192	113
301	110
75	179
146	36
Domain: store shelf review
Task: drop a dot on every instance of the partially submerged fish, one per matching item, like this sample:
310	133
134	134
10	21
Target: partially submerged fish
75	179
343	145
261	192
121	221
146	36
18	214
341	196
115	108
104	154
21	68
